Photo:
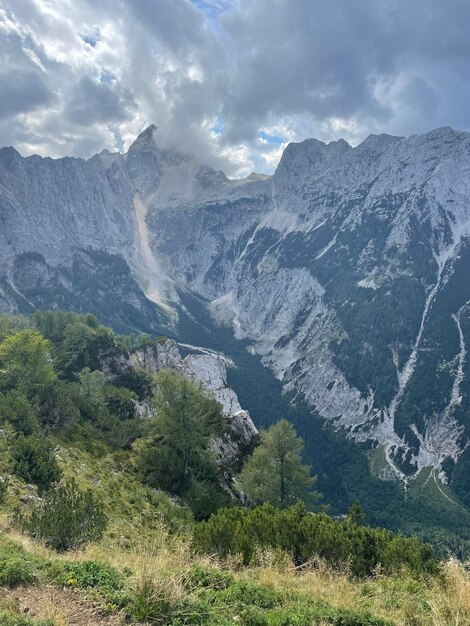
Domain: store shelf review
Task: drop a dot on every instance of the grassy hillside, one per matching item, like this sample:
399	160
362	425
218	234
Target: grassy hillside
145	570
155	578
143	529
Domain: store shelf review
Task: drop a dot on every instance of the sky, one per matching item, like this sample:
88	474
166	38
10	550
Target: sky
230	82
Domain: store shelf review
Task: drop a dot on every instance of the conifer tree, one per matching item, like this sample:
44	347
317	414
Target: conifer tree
275	472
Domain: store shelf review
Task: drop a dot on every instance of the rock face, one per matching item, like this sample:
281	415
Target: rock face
347	269
209	369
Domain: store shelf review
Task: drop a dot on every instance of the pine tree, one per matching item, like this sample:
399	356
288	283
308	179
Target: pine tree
275	472
186	419
356	513
66	518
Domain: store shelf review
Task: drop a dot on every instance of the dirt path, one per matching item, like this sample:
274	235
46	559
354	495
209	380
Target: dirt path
66	607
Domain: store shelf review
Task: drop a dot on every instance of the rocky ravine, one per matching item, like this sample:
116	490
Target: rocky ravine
347	268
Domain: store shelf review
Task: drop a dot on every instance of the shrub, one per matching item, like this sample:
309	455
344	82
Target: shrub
136	380
305	536
67	518
34	461
17	567
16	409
120	402
208	577
16	571
90	574
59	405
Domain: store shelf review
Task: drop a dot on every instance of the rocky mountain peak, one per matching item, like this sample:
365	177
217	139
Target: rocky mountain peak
9	156
147	136
378	143
143	161
310	156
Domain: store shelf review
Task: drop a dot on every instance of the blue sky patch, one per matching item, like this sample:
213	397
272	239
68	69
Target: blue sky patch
91	40
219	126
274	140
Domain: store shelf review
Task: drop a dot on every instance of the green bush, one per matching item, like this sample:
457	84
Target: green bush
17	567
138	381
305	536
34	461
66	518
17	571
16	409
249	593
89	574
208	577
120	402
59	405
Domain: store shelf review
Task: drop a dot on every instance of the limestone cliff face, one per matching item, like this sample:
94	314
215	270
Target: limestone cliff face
346	269
209	369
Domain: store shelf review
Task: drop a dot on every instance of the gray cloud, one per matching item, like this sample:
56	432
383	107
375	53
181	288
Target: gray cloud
93	101
332	59
21	91
220	77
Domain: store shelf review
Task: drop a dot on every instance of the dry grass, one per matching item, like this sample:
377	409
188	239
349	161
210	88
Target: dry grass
403	599
60	607
159	562
449	602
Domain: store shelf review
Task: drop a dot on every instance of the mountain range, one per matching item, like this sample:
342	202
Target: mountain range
346	272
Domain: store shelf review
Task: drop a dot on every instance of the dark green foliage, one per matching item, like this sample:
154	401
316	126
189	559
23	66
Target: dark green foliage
17	410
66	518
222	599
3	490
88	574
208	577
317	613
59	405
85	346
461	477
356	513
34	461
136	380
120	402
79	341
120	435
53	324
305	535
178	458
19	567
204	494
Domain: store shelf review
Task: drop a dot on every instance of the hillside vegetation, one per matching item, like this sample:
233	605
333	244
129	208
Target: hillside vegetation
114	507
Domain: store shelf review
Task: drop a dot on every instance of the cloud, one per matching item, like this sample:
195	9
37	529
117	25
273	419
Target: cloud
77	77
21	91
92	101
